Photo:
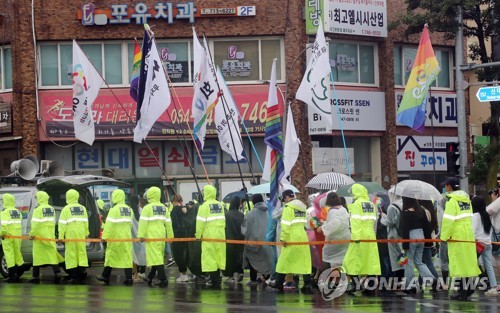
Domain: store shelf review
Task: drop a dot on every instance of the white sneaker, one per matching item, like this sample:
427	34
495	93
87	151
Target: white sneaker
142	276
491	292
183	278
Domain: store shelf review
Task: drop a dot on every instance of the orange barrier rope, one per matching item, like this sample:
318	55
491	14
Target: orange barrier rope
244	242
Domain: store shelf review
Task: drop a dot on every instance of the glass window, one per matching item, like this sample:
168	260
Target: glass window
175	57
353	63
398	78
245	61
403	64
366	64
7	54
113	63
271	49
48	57
94	53
66	52
238	60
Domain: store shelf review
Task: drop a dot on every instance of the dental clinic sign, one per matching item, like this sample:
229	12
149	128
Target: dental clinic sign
358	110
142	13
352	17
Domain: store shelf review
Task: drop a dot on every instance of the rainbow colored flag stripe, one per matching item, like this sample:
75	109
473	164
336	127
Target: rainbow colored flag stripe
411	111
136	67
274	139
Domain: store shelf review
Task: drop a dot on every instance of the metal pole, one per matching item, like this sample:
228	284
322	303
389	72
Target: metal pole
461	117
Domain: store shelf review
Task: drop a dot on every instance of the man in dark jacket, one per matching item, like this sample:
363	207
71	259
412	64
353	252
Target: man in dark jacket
182	216
234	252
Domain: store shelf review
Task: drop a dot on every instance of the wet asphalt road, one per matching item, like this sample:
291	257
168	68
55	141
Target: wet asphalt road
94	297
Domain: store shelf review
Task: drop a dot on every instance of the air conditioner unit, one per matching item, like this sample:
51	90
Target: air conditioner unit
44	165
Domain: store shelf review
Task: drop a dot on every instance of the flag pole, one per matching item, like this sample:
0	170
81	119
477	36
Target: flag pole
235	124
340	123
187	121
224	104
130	118
432	136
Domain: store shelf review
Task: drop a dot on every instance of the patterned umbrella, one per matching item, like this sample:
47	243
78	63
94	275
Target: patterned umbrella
329	181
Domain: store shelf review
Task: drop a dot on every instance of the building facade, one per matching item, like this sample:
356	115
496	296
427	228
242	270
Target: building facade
370	64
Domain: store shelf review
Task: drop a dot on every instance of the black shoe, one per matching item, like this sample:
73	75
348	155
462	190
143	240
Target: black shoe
128	282
34	280
306	289
103	279
163	284
410	291
150	282
57	278
12	280
459	297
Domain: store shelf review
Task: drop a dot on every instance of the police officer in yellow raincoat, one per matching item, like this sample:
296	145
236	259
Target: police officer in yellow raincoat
11	220
294	259
74	224
155	223
211	223
457	225
43	225
118	226
362	258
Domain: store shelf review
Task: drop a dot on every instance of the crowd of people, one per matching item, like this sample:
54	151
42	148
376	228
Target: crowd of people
464	225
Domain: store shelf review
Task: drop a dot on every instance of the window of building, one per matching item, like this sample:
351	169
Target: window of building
247	60
403	62
5	68
354	63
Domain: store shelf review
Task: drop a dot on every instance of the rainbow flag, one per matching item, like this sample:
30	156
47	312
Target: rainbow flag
274	139
411	111
136	67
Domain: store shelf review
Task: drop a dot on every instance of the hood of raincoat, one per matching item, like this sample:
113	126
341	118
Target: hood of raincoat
100	204
9	201
118	197
459	195
261	206
42	198
153	195
317	202
209	192
72	196
297	205
359	191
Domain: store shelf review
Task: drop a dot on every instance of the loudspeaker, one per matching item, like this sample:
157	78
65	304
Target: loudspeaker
35	161
24	168
56	169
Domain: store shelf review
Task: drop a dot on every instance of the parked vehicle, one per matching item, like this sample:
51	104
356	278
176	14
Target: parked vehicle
56	187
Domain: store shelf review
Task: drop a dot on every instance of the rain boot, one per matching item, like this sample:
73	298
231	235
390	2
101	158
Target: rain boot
12	275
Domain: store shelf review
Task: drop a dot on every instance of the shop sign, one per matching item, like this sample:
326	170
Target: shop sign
415	153
353	17
142	13
5	118
332	160
441	107
358	110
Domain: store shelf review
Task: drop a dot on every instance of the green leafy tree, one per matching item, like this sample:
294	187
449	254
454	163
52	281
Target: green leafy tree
482	23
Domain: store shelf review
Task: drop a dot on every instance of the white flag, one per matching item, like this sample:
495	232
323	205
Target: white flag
205	91
315	86
86	85
291	147
157	97
226	121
